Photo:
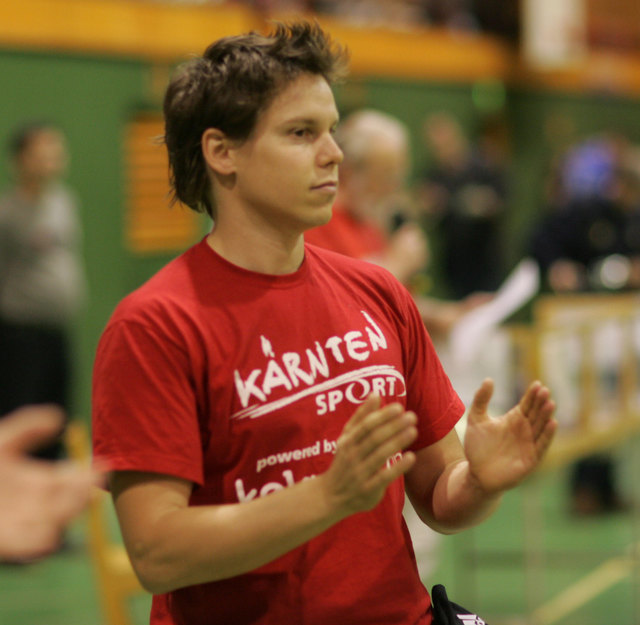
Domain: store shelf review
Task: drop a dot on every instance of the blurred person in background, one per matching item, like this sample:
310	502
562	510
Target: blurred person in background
464	194
387	13
38	499
456	15
450	14
42	281
593	221
374	218
588	240
370	218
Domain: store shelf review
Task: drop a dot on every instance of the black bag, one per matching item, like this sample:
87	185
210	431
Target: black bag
447	612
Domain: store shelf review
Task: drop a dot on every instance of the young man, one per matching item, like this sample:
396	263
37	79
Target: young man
261	404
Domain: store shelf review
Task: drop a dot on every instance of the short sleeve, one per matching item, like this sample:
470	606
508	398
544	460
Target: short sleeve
430	393
144	405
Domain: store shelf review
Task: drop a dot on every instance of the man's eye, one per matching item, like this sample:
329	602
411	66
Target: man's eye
302	132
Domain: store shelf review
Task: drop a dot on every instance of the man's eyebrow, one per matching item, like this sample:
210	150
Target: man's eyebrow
309	121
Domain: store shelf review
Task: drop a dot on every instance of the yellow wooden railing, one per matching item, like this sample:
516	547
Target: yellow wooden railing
587	349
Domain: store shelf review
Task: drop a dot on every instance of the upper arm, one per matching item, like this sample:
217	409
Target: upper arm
141	500
431	463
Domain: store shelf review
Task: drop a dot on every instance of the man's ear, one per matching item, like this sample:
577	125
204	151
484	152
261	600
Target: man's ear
218	152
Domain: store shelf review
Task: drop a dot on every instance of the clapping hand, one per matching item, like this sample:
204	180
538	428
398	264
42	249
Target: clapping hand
502	451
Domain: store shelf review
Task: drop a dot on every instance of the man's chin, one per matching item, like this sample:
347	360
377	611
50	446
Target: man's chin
321	216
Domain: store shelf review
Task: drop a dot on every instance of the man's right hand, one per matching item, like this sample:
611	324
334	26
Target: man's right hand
368	457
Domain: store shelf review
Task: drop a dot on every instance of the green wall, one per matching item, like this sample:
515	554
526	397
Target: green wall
92	98
410	102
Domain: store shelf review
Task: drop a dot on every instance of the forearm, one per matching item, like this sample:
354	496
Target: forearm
191	545
498	454
457	501
173	544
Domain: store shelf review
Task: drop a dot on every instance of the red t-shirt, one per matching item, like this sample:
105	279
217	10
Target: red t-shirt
241	383
349	236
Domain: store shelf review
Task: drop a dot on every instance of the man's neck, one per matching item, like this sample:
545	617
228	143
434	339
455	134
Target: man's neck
262	252
30	190
361	208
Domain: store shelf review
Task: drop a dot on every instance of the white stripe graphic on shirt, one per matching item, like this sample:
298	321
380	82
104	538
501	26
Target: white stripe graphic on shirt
471	619
352	376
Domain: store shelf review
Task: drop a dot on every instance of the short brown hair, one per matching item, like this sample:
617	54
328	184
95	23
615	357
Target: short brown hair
228	87
22	137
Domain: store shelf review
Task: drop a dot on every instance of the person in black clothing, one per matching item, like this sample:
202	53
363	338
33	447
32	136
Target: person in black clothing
464	193
575	244
590	242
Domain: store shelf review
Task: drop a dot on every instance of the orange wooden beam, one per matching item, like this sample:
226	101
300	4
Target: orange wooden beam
164	32
119	27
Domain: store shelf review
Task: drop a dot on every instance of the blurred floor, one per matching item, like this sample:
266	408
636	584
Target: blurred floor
58	590
499	589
